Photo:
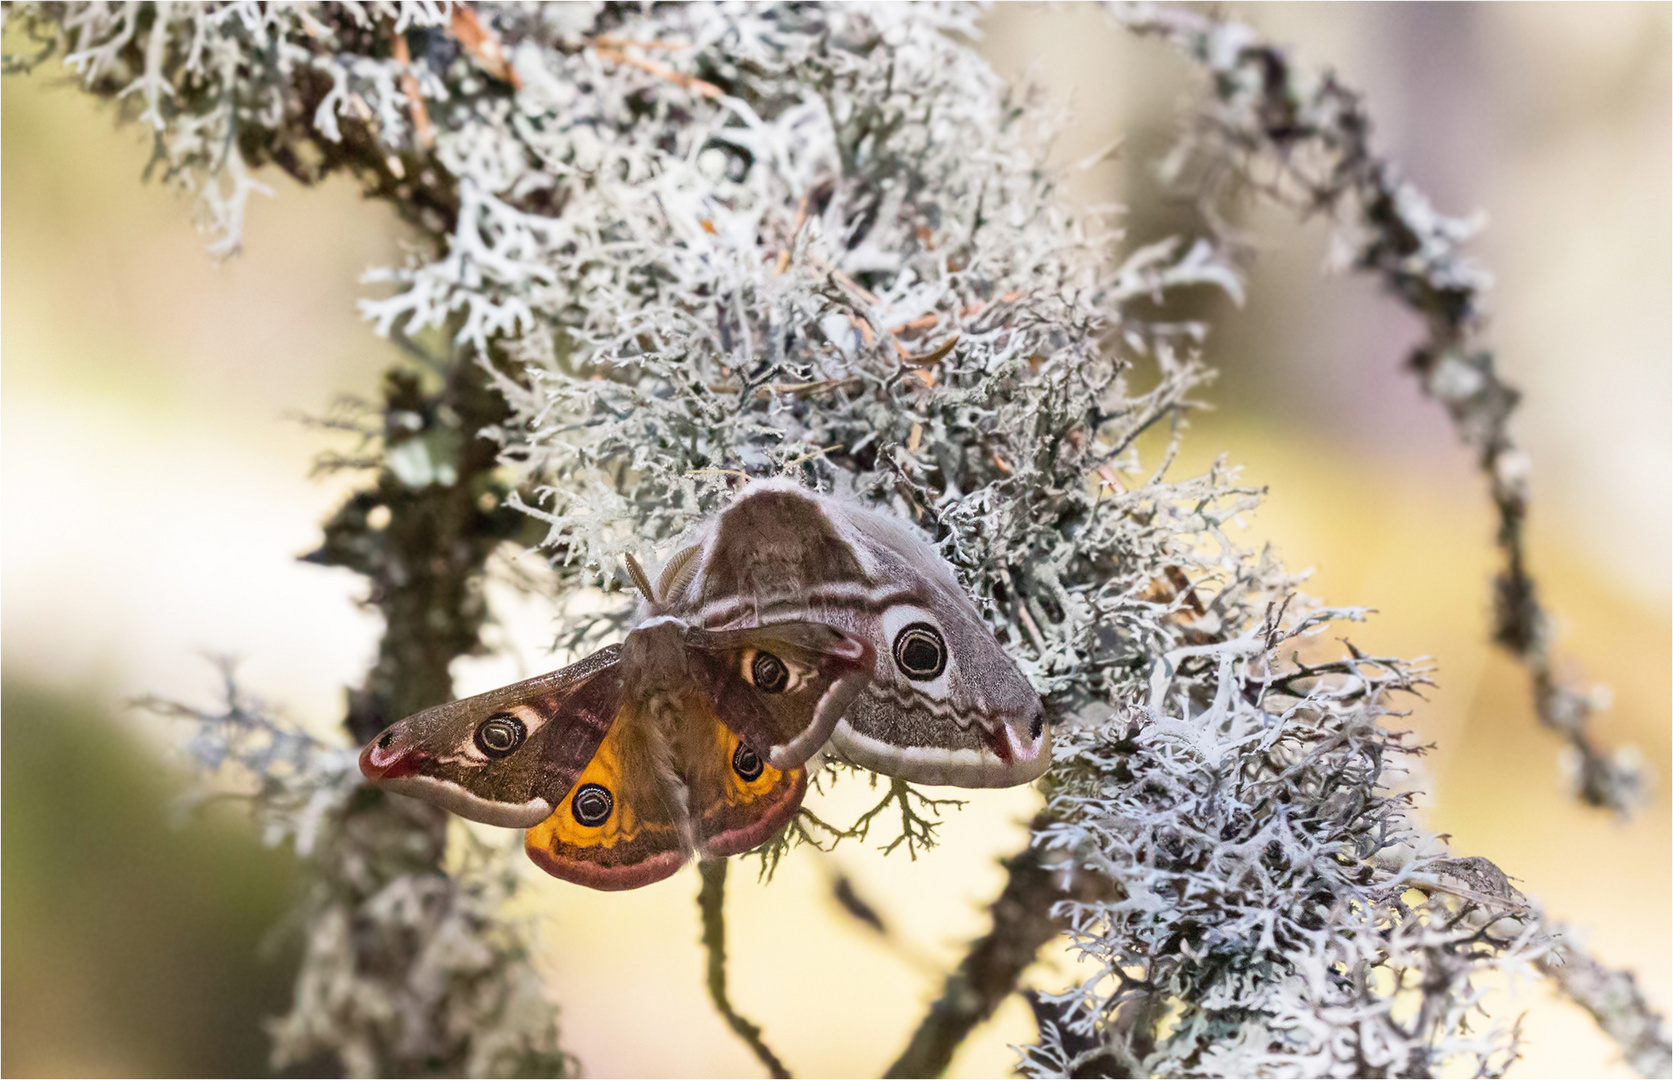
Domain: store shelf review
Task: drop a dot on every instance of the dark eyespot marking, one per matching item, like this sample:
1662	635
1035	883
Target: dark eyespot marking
920	653
592	805
768	673
386	740
746	763
500	734
1037	726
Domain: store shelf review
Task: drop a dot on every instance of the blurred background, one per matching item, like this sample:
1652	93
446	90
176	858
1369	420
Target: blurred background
156	494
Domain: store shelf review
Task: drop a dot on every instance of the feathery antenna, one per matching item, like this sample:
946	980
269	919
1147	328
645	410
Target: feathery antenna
640	580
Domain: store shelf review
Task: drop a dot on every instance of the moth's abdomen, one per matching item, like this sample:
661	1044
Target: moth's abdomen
773	545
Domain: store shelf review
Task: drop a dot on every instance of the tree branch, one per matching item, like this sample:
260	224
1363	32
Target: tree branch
1265	113
711	901
1616	1003
1304	141
1022	923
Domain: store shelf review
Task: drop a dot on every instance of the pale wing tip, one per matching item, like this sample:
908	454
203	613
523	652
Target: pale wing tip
938	766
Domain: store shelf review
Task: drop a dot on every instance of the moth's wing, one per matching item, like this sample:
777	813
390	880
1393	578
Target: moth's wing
780	688
945	704
461	755
781	552
736	799
975	723
622	824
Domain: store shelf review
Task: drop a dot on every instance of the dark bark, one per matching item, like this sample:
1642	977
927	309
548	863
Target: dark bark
711	902
1022	923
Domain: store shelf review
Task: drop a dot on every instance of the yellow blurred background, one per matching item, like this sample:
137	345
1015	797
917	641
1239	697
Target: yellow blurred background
156	495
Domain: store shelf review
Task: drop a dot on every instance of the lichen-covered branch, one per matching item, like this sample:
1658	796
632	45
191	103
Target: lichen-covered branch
671	246
384	919
1270	123
1022	924
1304	140
421	534
1615	1002
406	969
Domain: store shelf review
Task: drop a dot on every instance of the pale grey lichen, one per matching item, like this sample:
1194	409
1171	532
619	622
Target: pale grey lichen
1303	140
692	242
473	998
1271	907
299	780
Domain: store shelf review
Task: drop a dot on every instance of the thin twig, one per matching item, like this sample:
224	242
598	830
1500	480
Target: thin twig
483	44
424	133
611	42
711	901
1305	142
661	71
1616	1003
810	455
1022	923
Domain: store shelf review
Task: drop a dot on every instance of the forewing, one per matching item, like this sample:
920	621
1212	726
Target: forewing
457	756
945	704
769	548
974	723
786	722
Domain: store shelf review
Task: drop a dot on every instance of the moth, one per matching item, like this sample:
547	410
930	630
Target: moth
945	704
789	623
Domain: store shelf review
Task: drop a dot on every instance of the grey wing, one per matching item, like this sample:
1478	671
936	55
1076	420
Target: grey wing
946	704
506	757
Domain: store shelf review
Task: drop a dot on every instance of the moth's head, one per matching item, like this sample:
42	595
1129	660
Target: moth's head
472	757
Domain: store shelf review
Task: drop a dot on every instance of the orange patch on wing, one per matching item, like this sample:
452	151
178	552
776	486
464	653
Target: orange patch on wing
636	844
735	789
623	824
736	814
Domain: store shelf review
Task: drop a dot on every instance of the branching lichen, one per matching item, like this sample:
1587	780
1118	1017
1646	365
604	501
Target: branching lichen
687	244
1304	140
405	969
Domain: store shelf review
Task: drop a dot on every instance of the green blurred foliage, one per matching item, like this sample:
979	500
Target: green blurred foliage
138	940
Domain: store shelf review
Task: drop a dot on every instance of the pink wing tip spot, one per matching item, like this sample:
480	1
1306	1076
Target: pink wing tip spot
384	759
1000	740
